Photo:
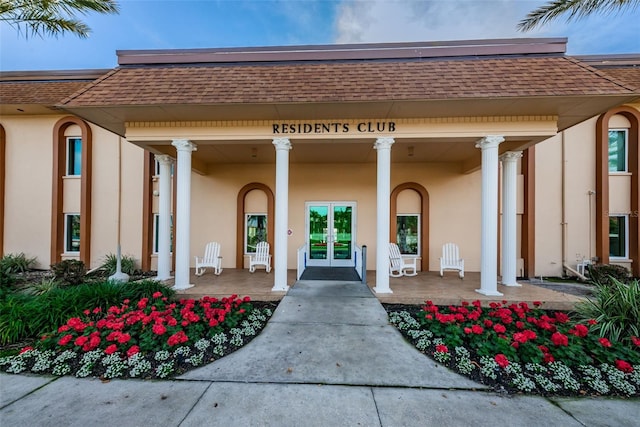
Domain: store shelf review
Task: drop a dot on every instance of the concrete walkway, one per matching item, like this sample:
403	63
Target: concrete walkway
327	357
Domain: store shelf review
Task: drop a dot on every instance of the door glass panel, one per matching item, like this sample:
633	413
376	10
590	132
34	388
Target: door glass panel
342	232
318	216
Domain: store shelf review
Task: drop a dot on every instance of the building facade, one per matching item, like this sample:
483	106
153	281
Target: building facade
524	157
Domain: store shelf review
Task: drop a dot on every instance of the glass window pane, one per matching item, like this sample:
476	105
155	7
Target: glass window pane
617	236
72	235
617	151
408	234
156	233
255	231
74	164
318	223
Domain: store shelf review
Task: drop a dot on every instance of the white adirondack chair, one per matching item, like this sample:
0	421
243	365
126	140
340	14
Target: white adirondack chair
451	259
211	259
261	257
401	265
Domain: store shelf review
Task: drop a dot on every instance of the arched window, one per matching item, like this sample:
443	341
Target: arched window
253	223
617	150
71	231
403	223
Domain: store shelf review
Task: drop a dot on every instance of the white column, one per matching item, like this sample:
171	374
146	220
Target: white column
383	146
183	213
509	216
489	216
282	214
164	218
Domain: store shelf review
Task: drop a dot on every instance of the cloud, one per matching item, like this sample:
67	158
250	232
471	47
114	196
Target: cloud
378	21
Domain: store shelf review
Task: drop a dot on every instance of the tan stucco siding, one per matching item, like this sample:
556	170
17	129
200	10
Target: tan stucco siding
29	154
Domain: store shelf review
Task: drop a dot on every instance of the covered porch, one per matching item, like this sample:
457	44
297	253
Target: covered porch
446	290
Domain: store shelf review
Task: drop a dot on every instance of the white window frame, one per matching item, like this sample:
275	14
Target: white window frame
626	151
67	244
419	231
70	154
626	237
156	241
246	234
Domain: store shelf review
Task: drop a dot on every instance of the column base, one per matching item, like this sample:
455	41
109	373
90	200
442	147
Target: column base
382	291
119	277
489	293
182	287
280	289
513	285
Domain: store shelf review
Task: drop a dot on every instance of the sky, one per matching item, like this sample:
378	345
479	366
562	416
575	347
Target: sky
183	24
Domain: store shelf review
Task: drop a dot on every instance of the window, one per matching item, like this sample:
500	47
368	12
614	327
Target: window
617	150
72	233
74	156
618	243
156	229
408	233
255	231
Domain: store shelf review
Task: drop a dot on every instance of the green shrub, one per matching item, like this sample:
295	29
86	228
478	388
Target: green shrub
69	271
29	316
17	263
127	263
616	308
47	284
604	273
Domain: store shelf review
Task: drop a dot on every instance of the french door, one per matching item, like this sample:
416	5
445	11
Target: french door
330	233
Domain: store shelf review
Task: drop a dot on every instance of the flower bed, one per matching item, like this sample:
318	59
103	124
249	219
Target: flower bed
517	348
149	338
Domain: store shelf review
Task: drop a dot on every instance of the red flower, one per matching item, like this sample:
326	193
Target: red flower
157	294
561	317
605	342
635	341
548	358
488	323
123	338
65	340
520	337
441	348
82	340
143	303
467	330
537	303
579	331
499	328
25	349
159	329
592	322
111	349
624	366
559	339
133	350
63	328
502	360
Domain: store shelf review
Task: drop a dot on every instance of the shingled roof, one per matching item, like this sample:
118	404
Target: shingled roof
347	82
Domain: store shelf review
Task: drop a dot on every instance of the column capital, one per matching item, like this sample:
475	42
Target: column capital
383	143
184	145
282	143
164	159
489	141
510	156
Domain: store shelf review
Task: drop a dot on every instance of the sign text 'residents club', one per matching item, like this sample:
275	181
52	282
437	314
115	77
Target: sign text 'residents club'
334	127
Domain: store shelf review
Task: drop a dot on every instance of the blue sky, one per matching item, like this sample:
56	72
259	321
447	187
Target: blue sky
171	24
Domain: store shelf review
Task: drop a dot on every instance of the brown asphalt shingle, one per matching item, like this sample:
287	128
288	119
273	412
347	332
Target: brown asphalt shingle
348	81
629	75
41	93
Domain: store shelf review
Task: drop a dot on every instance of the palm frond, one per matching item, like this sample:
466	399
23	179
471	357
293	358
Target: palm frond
575	9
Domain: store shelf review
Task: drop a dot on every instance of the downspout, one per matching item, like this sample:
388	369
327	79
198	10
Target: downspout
563	203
